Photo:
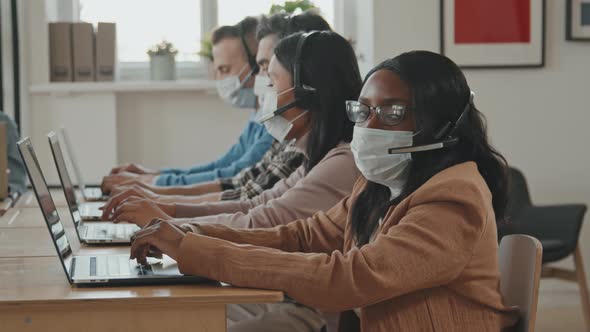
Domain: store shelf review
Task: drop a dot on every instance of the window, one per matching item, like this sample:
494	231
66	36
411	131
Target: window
143	23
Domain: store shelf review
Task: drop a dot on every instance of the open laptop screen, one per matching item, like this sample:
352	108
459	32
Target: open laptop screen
44	198
73	160
64	177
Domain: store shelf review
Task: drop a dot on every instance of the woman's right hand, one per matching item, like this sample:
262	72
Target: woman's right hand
159	237
135	191
139	211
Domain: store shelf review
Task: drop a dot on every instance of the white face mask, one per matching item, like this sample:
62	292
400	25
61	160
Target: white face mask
232	91
370	150
279	127
261	87
271	101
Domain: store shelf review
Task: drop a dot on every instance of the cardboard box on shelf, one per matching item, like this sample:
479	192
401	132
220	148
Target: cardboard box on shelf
60	52
83	51
106	50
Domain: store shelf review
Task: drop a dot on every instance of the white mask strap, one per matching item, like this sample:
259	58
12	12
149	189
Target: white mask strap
297	118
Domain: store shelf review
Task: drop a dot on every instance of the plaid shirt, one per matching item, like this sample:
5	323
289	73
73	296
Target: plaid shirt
278	163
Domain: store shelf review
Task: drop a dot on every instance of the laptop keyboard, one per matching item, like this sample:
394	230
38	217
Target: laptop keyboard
91	210
110	266
107	266
93	193
110	231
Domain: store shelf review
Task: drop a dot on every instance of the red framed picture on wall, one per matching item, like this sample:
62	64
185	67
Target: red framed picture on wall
493	34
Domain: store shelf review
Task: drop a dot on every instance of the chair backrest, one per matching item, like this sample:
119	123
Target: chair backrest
518	197
520	259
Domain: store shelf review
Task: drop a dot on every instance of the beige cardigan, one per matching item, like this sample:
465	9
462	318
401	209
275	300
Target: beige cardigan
432	267
299	196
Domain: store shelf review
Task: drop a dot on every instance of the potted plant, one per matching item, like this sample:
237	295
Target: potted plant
162	61
206	54
290	7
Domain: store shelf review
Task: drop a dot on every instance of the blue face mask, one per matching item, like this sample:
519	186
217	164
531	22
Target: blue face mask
232	91
244	98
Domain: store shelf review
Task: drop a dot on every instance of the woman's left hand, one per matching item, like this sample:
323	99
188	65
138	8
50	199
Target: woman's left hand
110	182
139	211
159	237
109	208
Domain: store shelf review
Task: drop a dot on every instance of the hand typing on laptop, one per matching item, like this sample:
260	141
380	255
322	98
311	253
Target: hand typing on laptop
117	199
159	237
139	211
134	183
111	181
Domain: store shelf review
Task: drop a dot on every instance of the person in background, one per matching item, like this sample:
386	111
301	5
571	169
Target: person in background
306	191
17	176
234	58
278	163
413	248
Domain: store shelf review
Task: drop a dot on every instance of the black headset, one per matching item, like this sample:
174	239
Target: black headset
305	96
444	137
251	58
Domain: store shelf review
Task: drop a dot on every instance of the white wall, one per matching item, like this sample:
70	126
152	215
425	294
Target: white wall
156	129
538	118
175	128
90	122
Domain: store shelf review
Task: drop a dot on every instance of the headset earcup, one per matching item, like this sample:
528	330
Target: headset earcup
306	98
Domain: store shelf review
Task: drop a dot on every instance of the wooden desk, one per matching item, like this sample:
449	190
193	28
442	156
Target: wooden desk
5	205
36	296
28	242
28	199
23	233
30	217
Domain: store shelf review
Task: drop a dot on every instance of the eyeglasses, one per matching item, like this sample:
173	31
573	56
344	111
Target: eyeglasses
390	115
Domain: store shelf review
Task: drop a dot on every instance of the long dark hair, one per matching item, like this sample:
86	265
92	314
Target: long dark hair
329	65
439	95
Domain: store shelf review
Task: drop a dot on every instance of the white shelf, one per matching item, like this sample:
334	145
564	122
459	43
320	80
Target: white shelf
121	86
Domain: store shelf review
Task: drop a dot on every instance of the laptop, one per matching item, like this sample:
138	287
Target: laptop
94	270
89	194
93	232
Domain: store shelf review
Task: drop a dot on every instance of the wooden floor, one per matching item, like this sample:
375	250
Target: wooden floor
568	319
559	307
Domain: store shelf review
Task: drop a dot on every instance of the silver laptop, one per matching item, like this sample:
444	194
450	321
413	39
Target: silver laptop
91	232
88	193
94	269
89	208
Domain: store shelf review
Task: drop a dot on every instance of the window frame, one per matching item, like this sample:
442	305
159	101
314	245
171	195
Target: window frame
135	71
140	70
